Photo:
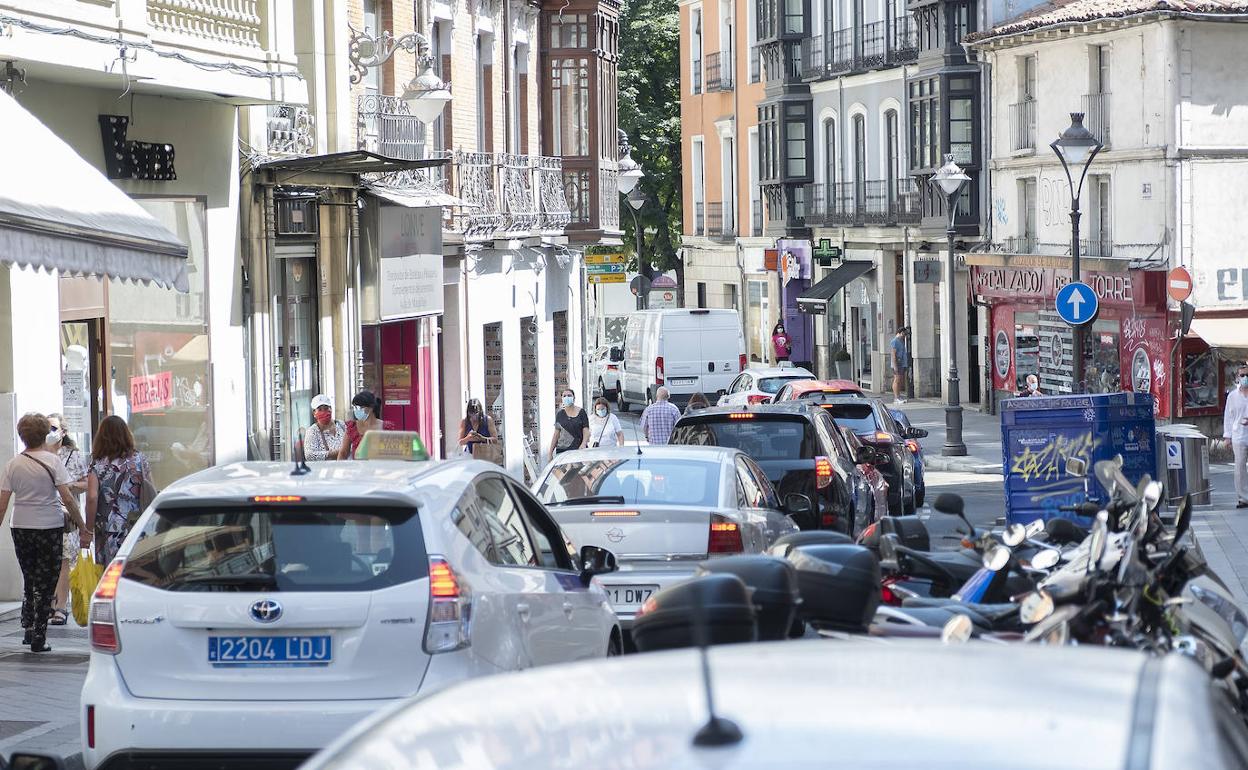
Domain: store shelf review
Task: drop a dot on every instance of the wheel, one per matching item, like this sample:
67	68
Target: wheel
615	647
919	494
909	505
620	403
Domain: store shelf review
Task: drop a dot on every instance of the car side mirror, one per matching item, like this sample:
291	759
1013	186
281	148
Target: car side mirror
23	760
916	433
797	504
596	561
866	456
616	355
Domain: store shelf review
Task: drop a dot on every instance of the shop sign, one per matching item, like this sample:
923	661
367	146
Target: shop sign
1220	282
151	391
396	384
927	271
661	299
794	260
1043	284
410	270
73	385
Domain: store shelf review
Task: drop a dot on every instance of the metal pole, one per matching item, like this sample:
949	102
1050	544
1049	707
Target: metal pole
642	299
954	446
1077	384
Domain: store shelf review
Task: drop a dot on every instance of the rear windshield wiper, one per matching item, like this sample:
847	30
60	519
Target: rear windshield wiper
245	578
591	500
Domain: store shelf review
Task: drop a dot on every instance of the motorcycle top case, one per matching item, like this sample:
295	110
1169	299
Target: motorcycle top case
1039	433
839	584
773	589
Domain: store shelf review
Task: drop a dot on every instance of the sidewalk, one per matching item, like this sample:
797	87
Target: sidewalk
39	691
980	432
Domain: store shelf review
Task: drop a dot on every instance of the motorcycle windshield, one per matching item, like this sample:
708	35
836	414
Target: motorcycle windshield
976	587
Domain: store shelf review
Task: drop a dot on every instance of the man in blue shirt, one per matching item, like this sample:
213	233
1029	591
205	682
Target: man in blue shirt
901	363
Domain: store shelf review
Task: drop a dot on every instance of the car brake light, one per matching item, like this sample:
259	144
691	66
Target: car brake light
884	438
658	370
740	416
277	499
450	609
757	399
725	536
741	363
913	445
823	472
887	594
615	514
102	618
612	367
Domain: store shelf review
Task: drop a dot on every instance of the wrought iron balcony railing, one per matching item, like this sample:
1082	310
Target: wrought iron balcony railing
697	76
720	222
1023	125
814	64
1096	116
719	71
873	46
904	41
699	218
874	202
385	126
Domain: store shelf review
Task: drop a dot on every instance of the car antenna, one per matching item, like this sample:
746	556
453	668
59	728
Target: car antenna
301	462
636	437
718	731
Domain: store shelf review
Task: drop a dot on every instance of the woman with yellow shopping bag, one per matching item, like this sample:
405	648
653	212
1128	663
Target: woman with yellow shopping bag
82	580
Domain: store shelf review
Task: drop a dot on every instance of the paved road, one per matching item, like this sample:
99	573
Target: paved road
39	692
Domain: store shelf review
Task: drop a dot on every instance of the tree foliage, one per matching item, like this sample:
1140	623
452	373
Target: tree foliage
649	112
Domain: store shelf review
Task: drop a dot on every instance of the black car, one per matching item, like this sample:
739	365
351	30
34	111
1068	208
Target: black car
875	426
796	444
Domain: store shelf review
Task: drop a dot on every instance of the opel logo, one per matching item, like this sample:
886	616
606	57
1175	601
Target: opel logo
615	534
265	611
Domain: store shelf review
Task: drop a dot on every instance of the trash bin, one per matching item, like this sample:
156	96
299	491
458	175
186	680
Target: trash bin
1183	463
1039	433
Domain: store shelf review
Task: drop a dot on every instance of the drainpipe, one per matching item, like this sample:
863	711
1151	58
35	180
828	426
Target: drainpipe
355	335
508	144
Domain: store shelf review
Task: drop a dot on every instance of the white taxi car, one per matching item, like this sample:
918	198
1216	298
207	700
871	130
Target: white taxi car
757	385
254	613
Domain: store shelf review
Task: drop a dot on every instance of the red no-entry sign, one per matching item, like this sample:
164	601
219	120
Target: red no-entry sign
1179	284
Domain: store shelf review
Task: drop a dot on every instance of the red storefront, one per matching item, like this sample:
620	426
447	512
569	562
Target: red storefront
1127	347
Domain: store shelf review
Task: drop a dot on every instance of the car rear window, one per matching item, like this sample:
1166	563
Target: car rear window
860	418
763	440
824	395
774	384
639	480
278	549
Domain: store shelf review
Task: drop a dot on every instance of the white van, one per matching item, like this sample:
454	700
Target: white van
690	350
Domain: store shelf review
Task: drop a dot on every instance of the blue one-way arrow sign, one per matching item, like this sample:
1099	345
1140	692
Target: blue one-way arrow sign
1077	303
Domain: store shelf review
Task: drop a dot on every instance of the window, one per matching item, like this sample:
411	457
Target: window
962	129
569	101
485	140
699	186
1027	215
796	117
756	202
892	158
701	294
773	439
506	525
752	495
1027	348
569	30
640	481
1027	78
924	124
372	28
860	160
467	517
794	17
769	137
829	155
695	48
1099	69
576	191
553	546
1102	362
1100	235
730	296
436	48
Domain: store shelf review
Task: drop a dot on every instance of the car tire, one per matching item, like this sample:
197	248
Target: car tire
620	404
607	394
615	647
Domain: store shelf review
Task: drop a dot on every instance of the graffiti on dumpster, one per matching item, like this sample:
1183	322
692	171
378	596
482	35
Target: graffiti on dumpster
1043	461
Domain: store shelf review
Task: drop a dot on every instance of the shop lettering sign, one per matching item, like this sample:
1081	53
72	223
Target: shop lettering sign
151	391
1220	285
1114	289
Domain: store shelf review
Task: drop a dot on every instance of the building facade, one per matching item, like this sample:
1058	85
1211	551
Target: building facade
1159	195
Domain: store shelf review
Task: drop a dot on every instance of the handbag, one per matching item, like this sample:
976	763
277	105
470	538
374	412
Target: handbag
69	525
490	453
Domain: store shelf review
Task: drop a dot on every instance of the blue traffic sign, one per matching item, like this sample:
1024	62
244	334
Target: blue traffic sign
1077	303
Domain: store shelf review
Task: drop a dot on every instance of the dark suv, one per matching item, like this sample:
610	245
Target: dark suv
875	426
796	444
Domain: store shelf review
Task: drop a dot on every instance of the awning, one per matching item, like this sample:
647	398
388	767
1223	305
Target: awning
816	298
353	162
57	212
414	199
1228	335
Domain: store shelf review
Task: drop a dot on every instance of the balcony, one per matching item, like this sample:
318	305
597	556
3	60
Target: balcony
882	44
756	64
1100	246
1020	244
697	76
1096	116
291	130
1023	125
720	222
719	71
813	62
232	23
903	42
877	202
507	196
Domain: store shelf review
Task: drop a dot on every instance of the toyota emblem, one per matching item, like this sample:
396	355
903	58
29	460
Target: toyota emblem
265	611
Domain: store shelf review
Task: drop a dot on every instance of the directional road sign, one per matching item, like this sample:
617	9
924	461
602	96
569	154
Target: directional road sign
599	269
1077	303
604	259
607	277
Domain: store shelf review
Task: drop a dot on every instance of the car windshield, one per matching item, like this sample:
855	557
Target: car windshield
763	440
278	549
774	384
820	396
635	480
860	418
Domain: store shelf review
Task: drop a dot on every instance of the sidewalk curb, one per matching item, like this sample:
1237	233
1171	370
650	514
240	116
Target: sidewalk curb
960	465
10	614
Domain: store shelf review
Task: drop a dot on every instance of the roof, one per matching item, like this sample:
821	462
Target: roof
351	162
806	704
829	385
649	451
778	371
391	482
1063	12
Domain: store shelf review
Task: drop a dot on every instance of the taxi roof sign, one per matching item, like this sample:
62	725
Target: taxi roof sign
391	445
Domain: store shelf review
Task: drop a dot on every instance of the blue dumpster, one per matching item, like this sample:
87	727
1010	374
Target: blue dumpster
1039	433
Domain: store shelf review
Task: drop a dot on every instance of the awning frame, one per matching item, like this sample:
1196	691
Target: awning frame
822	292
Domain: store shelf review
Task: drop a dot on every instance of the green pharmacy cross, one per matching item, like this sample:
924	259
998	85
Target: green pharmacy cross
825	252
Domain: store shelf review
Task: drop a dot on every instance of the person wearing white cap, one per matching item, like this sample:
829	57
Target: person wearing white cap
323	439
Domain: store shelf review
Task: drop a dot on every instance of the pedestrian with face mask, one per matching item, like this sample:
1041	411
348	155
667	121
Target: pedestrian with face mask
366	409
1235	430
604	427
323	439
571	426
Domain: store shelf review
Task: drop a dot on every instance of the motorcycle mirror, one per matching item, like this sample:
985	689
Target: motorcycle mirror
1076	466
996	558
1183	517
1035	607
1152	494
1035	527
1097	541
1014	534
957	630
1046	559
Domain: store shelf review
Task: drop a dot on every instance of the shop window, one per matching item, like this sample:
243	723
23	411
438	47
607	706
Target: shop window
1102	363
160	377
1026	347
1200	381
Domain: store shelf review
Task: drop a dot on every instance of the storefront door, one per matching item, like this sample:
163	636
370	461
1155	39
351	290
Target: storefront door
297	349
82	384
400	357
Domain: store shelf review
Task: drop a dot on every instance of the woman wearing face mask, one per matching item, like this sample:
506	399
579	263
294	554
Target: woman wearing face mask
571	426
366	409
476	427
604	427
75	462
323	439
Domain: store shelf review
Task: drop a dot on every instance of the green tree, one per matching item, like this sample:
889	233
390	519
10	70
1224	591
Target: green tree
649	112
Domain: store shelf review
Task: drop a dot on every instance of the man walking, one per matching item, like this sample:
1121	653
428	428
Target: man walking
1235	430
659	418
901	363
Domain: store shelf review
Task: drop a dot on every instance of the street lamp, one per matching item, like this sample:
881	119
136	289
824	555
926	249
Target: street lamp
630	173
636	199
950	179
426	95
1076	146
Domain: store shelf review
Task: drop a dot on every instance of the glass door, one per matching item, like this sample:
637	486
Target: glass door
297	350
82	384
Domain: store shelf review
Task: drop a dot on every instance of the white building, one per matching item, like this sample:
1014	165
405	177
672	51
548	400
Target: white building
1164	93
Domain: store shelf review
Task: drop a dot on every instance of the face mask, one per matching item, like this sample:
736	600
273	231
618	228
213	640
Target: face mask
567	400
601	412
359	412
54	436
324	417
1243	381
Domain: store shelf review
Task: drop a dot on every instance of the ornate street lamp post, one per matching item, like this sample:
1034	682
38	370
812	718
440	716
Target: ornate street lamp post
629	175
1076	146
426	95
950	179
